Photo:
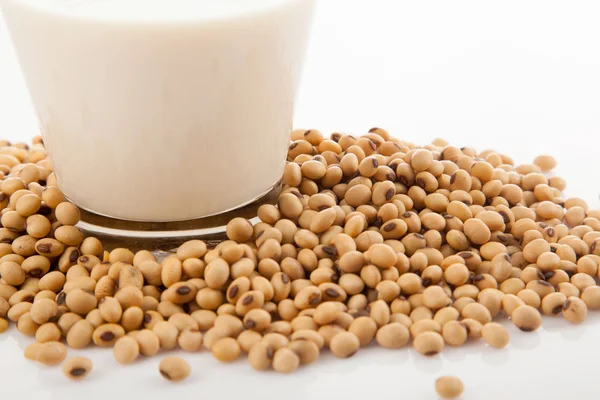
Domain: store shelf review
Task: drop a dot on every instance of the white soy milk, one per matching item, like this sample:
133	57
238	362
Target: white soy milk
162	110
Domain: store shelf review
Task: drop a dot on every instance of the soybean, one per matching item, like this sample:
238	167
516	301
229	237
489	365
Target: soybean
226	350
285	361
428	343
526	318
495	335
574	310
126	350
449	387
174	369
77	368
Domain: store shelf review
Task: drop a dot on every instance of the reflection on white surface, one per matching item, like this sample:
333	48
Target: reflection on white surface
521	77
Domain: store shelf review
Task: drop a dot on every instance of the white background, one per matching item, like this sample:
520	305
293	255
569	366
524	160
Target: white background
522	77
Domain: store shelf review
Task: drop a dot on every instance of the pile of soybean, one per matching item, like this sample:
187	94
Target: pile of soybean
373	239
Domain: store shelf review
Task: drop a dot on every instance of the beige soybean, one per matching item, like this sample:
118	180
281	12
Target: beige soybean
248	301
226	350
510	302
28	205
167	334
148	342
129	296
43	311
365	329
94	318
495	335
184	321
545	162
48	332
344	345
12	273
133	318
261	355
213	335
126	350
110	310
526	318
51	353
591	297
474	328
26	326
307	351
420	312
204	318
574	310
32	350
4	307
428	343
171	271
553	303
80	334
435	297
326	313
247	339
77	368
478	312
174	369
424	325
230	323
121	255
38	226
107	334
49	247
81	301
24	296
216	273
455	333
445	315
67	213
380	312
257	320
190	340
382	256
285	361
449	387
191	249
53	281
240	230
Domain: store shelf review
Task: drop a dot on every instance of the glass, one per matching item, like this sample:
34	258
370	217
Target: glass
159	126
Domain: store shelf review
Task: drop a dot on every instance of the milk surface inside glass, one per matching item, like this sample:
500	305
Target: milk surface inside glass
162	110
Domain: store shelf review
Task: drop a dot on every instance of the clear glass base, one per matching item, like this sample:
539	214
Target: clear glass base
161	237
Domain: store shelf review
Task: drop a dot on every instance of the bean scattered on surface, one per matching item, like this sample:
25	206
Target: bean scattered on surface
51	353
449	387
174	369
77	368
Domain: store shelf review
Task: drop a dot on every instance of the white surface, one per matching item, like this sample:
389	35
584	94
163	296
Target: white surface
518	76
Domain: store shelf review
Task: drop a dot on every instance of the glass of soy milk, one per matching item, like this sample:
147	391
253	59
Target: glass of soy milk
162	111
